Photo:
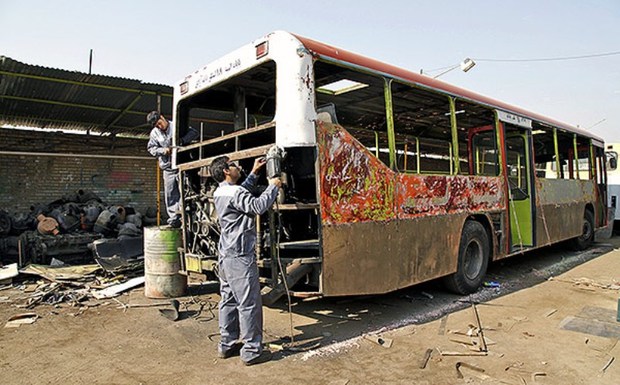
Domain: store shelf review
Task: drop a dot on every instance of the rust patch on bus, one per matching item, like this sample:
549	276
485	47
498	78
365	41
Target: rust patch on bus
438	195
355	186
358	187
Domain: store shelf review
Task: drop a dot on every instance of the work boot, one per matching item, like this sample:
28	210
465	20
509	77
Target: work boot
263	357
233	351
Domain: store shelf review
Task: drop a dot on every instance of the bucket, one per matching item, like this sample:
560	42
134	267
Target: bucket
162	263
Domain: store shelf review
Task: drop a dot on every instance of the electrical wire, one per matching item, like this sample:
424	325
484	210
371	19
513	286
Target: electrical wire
561	58
283	272
552	58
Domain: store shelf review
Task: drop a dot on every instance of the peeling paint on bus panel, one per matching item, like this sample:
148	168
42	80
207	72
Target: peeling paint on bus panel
358	187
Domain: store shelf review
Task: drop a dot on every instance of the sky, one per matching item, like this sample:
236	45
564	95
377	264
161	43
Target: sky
162	41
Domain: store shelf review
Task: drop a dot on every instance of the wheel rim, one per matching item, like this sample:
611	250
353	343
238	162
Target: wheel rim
587	230
473	259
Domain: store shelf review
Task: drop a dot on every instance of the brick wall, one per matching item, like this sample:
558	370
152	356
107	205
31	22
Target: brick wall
28	179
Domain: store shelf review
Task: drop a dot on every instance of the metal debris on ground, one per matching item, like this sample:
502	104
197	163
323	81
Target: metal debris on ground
460	365
381	341
426	358
607	365
21	319
171	313
7	273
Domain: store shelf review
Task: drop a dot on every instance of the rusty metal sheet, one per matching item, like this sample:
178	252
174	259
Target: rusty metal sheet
564	191
560	206
378	257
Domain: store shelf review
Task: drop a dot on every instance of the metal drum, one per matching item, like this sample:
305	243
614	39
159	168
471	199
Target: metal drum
162	263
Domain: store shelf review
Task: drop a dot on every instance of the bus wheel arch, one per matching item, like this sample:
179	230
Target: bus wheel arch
586	238
473	258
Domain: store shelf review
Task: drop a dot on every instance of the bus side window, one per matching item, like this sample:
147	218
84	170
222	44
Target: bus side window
544	151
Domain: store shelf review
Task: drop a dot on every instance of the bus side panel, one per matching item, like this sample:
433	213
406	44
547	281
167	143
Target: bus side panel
560	208
378	257
382	231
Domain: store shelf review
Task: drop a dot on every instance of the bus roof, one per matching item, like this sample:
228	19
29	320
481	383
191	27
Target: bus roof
325	50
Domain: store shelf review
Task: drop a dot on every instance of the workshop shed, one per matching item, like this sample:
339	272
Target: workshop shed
63	131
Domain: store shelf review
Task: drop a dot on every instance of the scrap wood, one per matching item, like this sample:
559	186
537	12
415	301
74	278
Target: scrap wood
460	365
115	290
549	313
483	344
327	313
609	362
21	319
464	342
462	353
442	325
427	356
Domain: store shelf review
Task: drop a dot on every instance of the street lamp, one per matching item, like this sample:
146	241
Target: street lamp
465	65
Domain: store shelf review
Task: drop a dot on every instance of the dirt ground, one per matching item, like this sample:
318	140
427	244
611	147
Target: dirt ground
361	340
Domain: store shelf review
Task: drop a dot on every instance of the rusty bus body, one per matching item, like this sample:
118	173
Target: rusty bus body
392	178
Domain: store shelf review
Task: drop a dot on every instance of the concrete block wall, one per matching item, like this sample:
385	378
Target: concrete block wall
27	179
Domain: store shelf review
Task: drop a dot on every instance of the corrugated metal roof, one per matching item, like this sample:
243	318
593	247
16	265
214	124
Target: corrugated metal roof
51	98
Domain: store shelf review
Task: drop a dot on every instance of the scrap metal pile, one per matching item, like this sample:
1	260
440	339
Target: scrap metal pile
78	244
66	228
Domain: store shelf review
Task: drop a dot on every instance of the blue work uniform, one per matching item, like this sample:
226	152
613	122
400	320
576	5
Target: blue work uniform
158	142
240	309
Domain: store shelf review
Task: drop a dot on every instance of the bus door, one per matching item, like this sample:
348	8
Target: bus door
520	185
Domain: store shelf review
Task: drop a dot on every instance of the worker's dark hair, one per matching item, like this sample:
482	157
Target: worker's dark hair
217	168
152	118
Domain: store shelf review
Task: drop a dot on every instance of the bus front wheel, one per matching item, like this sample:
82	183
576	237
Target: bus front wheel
473	260
586	238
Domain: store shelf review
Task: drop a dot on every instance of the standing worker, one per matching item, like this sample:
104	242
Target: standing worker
241	313
160	146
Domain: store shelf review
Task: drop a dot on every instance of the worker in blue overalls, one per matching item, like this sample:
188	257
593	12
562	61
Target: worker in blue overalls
160	146
240	309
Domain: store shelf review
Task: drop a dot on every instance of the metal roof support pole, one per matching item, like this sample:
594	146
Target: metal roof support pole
390	121
125	110
455	137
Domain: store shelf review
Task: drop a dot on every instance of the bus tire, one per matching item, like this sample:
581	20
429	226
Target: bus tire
473	260
584	241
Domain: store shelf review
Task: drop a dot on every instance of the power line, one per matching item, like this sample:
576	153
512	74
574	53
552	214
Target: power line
553	58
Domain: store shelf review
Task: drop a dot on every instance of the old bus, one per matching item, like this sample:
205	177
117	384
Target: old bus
392	178
613	182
